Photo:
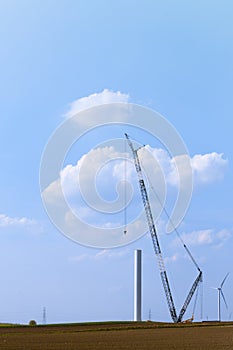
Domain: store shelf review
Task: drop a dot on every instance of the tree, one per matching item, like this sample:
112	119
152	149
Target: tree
32	323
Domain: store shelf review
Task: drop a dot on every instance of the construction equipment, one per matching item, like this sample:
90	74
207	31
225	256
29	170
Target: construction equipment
189	320
150	221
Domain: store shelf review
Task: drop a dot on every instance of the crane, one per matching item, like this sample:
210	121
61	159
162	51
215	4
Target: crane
150	221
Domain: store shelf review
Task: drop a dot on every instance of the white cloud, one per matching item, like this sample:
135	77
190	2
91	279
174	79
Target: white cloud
94	187
205	237
201	237
104	254
224	234
171	259
208	168
111	254
79	258
7	221
19	222
96	99
93	199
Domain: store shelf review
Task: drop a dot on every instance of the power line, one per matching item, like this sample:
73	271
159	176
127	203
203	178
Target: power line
44	315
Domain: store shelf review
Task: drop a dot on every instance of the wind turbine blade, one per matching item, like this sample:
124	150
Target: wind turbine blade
224	299
224	280
214	288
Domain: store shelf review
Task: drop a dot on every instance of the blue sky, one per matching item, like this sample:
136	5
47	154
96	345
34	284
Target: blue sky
173	57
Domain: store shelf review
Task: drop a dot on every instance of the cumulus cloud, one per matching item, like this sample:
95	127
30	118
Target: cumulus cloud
100	203
87	191
104	97
208	168
91	194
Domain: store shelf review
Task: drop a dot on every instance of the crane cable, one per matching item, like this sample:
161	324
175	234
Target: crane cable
195	301
174	228
125	194
184	245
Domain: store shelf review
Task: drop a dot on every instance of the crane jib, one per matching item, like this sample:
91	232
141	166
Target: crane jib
156	246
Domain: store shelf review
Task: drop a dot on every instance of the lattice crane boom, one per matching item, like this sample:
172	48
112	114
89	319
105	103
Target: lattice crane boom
153	233
157	249
189	296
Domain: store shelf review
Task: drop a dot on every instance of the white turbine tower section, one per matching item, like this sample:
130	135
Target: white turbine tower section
137	285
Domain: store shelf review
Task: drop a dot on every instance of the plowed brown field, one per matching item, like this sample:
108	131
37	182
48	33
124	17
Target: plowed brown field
118	336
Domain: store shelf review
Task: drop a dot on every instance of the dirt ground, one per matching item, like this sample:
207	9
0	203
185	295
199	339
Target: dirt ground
118	337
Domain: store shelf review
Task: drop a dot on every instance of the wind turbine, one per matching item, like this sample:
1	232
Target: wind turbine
220	294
